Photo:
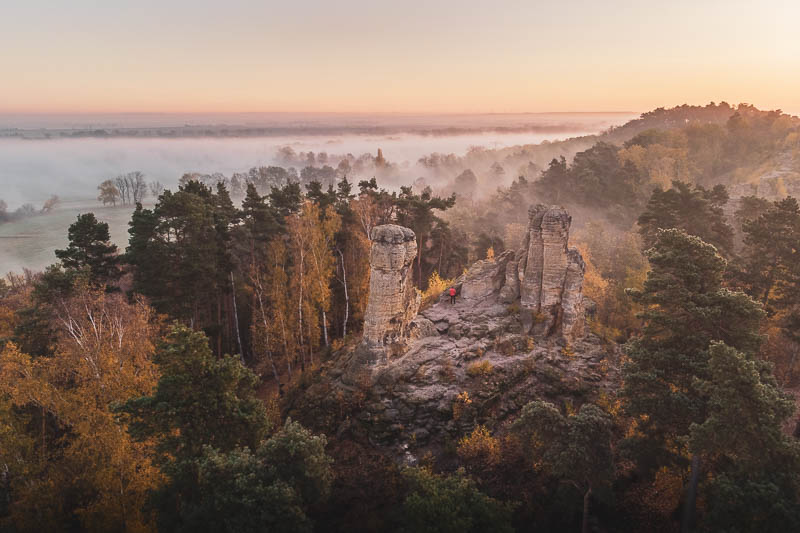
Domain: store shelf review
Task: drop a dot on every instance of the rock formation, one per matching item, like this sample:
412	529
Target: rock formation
552	274
515	334
393	302
544	276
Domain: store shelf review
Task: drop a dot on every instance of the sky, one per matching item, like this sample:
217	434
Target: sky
464	56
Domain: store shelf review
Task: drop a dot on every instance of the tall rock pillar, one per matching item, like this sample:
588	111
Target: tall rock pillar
393	301
552	274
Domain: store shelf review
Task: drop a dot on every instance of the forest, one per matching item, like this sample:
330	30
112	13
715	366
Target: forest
188	382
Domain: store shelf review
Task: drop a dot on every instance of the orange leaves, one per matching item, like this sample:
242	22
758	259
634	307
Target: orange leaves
102	356
479	448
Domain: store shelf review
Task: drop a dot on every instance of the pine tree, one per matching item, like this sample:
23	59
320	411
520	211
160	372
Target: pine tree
90	247
685	310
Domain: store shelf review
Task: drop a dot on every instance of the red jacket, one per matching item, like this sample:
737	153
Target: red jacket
452	291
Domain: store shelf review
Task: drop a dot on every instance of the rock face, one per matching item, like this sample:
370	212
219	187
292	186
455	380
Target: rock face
393	302
550	274
515	334
544	276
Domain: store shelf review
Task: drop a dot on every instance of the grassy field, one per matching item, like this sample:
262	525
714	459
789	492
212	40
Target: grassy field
30	242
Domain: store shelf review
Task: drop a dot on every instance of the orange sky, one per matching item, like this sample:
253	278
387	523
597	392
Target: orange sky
432	56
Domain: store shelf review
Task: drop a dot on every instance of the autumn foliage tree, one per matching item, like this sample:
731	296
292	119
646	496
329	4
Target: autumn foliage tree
75	462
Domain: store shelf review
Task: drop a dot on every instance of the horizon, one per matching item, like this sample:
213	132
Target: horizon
360	57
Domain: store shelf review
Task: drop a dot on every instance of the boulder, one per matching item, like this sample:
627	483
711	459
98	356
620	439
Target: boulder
486	277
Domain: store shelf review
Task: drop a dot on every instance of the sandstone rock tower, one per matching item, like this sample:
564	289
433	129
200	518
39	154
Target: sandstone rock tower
547	276
393	302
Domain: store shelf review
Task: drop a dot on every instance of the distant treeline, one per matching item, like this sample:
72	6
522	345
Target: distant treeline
27	210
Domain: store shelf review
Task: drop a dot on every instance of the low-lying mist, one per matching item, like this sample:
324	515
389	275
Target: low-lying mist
36	170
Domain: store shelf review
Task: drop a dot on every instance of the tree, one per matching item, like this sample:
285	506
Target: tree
574	449
685	309
466	183
311	241
693	209
200	401
182	254
90	247
138	186
156	188
265	490
123	186
79	464
415	211
274	320
754	462
450	504
770	255
194	385
109	194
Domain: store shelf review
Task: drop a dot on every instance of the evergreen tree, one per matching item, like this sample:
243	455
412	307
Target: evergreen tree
575	449
693	209
756	482
450	504
685	309
772	253
90	247
415	211
200	401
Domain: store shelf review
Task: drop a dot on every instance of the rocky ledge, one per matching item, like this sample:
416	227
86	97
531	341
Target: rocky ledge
516	333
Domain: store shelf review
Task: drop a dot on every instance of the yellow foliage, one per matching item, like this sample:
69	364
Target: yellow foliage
479	448
103	356
436	286
612	406
568	352
483	368
461	402
490	253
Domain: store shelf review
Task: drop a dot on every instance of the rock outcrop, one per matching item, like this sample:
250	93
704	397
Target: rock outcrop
393	301
515	334
552	274
545	276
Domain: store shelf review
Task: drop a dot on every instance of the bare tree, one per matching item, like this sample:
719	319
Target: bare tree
156	189
138	186
122	187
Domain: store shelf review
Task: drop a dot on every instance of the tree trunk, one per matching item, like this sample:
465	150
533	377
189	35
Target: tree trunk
325	327
346	296
44	442
585	522
236	319
266	334
691	496
419	263
441	252
300	323
219	323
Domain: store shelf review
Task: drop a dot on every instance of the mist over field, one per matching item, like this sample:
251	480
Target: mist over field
34	167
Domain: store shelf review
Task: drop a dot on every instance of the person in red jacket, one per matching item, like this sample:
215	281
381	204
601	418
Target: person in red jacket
452	295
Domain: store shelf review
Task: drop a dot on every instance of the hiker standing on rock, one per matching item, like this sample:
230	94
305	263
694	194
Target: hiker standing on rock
452	295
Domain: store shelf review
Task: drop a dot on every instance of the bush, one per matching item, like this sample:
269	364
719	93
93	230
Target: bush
484	368
479	448
461	403
436	286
